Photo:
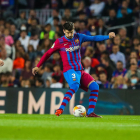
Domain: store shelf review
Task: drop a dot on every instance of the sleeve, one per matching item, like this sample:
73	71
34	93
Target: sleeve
55	47
84	38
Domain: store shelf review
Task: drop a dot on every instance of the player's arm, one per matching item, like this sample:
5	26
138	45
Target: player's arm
54	48
85	38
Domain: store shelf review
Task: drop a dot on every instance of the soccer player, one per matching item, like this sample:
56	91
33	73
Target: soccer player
69	49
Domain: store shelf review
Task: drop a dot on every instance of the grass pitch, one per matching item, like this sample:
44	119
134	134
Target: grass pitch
68	127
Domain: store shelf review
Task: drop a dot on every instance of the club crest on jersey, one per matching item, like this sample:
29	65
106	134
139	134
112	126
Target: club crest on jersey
72	48
53	45
77	41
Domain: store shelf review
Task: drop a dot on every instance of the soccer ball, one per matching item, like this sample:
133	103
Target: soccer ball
79	111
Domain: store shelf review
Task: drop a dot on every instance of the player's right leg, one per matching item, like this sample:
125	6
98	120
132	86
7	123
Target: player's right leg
73	79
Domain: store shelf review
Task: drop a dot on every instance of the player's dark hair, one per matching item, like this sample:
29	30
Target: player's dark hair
68	26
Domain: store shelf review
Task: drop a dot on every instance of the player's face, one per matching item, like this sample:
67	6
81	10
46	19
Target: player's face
69	34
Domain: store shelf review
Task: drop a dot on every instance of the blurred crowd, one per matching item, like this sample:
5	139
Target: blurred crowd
113	63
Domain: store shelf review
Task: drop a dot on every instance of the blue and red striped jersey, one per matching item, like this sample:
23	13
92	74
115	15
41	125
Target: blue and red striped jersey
69	50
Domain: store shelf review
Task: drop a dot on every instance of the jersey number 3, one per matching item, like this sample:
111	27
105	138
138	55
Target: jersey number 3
73	75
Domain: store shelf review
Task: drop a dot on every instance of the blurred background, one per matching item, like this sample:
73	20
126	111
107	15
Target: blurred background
29	28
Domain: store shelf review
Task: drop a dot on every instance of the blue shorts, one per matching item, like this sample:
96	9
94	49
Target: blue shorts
72	76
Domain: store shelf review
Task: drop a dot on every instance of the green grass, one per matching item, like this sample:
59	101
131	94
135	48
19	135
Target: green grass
68	127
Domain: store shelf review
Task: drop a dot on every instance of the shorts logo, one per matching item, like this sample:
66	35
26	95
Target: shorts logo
53	45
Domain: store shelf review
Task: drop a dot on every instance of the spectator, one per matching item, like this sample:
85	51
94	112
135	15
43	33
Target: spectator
34	40
119	83
55	13
117	56
24	39
105	54
39	83
67	15
112	18
2	28
8	38
27	71
63	4
133	70
101	48
92	24
87	65
2	21
31	52
119	71
83	28
58	72
49	30
110	4
90	53
46	45
126	18
100	68
94	75
55	82
109	45
48	82
32	15
82	8
97	7
13	82
138	32
21	20
124	5
47	73
117	41
125	41
34	28
136	41
8	63
56	59
55	23
103	79
18	62
77	25
134	82
82	16
14	32
101	30
27	83
108	68
138	54
5	46
4	80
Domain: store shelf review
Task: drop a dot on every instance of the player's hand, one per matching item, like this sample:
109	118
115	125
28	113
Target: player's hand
35	70
111	35
1	63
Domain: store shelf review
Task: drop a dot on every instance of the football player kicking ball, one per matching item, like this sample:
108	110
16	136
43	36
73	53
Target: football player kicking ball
69	49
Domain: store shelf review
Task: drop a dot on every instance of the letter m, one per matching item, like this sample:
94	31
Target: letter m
32	104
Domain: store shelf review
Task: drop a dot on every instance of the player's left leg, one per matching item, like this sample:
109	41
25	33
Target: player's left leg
87	81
